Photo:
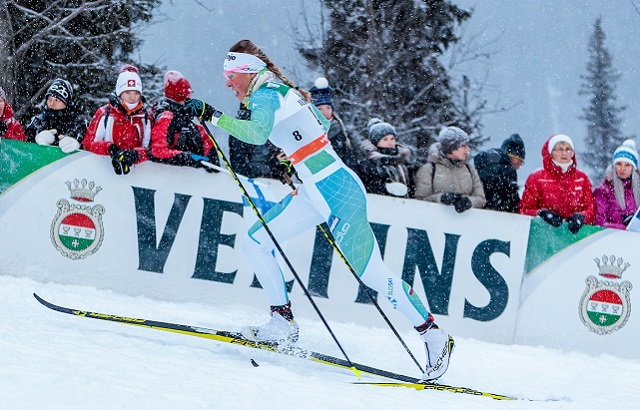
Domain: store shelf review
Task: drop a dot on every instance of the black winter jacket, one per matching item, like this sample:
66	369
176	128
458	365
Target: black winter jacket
499	179
67	122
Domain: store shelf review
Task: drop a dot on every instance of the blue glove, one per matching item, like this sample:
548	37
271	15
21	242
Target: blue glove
199	108
198	158
197	163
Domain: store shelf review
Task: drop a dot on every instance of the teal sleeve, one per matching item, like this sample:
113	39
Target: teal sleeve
263	105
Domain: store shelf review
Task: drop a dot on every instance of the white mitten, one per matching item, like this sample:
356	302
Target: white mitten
68	144
396	188
46	137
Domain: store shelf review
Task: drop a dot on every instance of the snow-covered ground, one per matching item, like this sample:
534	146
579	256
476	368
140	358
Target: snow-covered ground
56	361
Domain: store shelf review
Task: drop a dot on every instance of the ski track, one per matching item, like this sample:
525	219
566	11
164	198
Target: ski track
57	361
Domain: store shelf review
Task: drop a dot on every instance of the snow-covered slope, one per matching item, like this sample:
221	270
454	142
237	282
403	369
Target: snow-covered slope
51	360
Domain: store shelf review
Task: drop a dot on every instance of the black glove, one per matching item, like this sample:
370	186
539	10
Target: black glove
199	108
3	128
462	204
122	160
449	198
286	171
626	219
550	217
575	222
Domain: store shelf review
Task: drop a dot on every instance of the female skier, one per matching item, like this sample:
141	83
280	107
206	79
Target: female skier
331	193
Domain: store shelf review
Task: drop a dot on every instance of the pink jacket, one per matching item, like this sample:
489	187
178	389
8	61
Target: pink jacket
608	211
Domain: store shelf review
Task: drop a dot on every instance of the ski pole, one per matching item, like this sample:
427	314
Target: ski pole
277	245
329	237
327	234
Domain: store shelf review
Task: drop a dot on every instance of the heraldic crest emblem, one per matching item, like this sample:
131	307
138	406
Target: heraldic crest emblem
77	229
605	305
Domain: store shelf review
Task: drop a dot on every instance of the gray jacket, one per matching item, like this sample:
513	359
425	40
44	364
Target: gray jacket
440	174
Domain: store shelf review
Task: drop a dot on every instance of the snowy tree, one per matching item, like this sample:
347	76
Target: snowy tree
382	59
602	115
85	42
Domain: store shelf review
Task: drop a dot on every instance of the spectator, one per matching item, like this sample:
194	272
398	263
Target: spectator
618	197
497	170
250	160
59	124
122	128
447	177
176	139
559	191
10	128
322	98
385	171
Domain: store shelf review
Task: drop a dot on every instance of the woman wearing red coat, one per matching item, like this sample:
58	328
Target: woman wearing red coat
122	128
559	191
10	128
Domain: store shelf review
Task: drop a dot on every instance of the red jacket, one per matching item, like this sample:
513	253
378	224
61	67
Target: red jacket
564	194
175	136
14	129
128	131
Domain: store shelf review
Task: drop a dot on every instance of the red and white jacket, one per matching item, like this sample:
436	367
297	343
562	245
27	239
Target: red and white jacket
115	124
14	128
175	136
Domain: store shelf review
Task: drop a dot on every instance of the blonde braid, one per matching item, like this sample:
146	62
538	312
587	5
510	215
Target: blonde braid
247	47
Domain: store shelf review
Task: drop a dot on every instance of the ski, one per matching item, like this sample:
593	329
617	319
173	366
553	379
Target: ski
236	338
436	386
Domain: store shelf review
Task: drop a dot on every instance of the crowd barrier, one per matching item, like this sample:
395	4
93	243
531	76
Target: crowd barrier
171	233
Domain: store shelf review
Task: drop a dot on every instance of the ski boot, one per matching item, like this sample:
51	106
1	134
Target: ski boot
438	346
281	328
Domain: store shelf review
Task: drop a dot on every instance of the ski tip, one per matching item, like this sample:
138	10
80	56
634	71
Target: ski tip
253	362
45	303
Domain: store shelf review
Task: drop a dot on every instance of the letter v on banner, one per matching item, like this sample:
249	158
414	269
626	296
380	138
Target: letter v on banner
634	225
259	193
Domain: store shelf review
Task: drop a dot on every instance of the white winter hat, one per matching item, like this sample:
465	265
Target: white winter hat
553	141
128	80
626	153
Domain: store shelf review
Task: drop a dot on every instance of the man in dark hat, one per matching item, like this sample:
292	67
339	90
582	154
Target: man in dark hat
59	124
497	170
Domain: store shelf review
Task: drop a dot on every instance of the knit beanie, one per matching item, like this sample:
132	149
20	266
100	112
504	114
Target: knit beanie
62	90
514	146
379	129
321	93
176	87
452	138
128	80
626	153
553	141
